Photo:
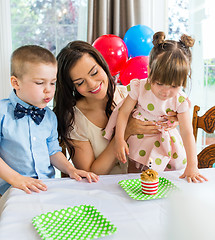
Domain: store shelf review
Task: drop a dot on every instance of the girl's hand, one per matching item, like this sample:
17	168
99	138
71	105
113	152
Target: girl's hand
193	175
29	184
78	174
171	117
121	149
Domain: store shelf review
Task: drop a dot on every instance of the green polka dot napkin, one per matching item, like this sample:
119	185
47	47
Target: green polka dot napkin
79	222
134	190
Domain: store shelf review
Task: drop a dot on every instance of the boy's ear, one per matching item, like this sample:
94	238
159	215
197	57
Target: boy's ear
14	82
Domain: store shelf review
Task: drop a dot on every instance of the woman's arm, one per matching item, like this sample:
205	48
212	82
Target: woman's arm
60	161
186	131
84	157
136	126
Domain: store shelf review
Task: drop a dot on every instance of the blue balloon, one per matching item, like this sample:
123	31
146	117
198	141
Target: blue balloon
138	40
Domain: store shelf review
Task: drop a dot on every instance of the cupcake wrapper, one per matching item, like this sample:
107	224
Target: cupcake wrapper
149	192
149	188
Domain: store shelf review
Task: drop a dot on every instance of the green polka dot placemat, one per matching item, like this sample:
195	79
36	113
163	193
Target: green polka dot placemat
134	190
79	222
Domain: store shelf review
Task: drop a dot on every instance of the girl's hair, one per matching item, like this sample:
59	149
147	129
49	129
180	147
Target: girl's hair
170	61
66	95
29	54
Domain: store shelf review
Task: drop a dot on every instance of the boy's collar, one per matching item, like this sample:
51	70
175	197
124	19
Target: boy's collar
15	99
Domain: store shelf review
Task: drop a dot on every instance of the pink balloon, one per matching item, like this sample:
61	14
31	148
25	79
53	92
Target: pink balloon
114	51
134	68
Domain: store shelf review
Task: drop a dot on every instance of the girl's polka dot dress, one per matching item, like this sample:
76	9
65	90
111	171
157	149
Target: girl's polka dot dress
166	149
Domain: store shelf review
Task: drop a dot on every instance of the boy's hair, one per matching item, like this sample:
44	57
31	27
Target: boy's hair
29	54
170	61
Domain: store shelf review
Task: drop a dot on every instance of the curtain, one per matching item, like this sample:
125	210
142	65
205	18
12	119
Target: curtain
5	48
112	17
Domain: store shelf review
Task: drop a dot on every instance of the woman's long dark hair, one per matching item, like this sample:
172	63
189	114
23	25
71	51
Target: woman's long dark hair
66	94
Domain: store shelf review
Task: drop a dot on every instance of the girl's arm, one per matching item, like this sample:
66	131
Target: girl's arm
121	147
186	131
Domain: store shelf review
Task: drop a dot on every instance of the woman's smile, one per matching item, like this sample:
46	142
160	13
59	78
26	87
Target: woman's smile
97	89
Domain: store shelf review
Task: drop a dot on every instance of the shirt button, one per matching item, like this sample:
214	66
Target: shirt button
34	138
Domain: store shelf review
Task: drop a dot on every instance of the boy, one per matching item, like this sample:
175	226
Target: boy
29	145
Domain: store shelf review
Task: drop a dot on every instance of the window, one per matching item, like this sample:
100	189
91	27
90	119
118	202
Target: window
197	19
208	36
48	23
178	18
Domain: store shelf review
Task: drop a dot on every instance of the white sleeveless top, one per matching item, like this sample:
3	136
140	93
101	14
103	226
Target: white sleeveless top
85	130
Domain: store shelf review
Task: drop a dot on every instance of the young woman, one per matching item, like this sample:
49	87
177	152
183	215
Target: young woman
84	100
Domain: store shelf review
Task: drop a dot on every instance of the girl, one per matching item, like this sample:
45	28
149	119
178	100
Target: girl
152	98
84	100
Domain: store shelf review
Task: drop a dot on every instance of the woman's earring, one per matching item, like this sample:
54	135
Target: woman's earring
73	92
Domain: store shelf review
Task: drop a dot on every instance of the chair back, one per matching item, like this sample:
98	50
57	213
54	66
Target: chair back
206	158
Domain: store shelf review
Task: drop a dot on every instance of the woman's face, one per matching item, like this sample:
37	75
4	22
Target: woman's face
89	78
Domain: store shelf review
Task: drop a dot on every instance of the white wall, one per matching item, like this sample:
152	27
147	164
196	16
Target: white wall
5	48
197	15
153	13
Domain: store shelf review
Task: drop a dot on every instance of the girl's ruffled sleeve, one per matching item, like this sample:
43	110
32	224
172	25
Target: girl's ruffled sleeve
110	127
133	89
183	103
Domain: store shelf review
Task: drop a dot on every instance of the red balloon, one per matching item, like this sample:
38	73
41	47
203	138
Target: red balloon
134	68
114	51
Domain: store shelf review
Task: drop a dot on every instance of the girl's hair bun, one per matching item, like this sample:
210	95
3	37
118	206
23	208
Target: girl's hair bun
158	38
187	40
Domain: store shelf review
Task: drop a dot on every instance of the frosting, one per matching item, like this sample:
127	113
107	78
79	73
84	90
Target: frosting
149	175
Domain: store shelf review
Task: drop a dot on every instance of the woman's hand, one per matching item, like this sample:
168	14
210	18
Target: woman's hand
171	116
78	174
136	126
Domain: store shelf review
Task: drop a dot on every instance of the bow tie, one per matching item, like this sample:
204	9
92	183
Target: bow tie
37	114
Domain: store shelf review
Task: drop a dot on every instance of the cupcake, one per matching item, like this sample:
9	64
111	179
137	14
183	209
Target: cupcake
149	181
